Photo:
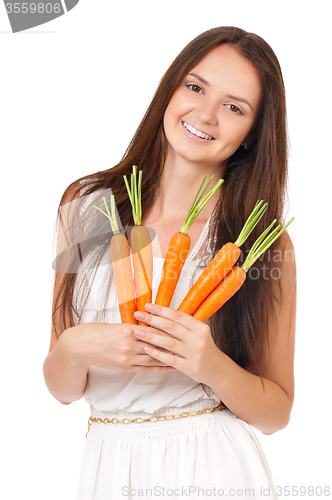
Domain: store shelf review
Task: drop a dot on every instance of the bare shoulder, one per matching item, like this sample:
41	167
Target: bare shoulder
287	247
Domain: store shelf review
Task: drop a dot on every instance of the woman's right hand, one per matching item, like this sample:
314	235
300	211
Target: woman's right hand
108	345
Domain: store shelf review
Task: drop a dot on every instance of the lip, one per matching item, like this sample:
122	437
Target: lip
195	137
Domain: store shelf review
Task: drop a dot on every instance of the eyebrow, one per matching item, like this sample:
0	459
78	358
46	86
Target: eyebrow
200	79
239	99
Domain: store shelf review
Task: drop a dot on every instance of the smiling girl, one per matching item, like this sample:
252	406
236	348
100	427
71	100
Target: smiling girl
219	109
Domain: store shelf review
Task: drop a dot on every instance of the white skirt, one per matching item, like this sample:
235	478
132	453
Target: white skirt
209	455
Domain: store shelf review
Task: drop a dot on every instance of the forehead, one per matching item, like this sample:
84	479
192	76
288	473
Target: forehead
226	70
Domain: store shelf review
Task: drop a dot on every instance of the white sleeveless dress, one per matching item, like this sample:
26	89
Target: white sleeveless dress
213	454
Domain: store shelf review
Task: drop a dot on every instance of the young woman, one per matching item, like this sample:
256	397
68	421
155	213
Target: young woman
219	109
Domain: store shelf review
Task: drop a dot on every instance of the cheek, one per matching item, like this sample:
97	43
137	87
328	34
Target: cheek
239	133
167	123
178	106
172	117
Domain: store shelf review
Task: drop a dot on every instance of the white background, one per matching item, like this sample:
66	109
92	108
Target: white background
72	94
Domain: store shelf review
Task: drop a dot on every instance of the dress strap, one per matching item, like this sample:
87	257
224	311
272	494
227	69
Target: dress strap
200	241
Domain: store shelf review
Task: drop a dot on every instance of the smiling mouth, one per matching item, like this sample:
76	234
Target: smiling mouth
198	133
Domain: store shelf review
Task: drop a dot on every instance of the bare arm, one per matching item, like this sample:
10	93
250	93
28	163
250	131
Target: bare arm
110	346
266	407
65	378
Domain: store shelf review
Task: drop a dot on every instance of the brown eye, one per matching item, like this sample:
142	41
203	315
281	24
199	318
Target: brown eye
234	108
195	88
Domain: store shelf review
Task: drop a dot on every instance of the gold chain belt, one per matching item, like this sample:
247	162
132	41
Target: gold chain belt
140	420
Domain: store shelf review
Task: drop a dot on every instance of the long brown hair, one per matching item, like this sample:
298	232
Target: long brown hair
243	328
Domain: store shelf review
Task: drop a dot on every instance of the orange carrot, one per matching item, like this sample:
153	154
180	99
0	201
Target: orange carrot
176	255
178	248
123	277
236	277
141	246
223	292
122	270
221	264
143	265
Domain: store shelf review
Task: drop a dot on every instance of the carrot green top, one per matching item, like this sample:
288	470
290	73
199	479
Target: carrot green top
112	216
251	222
199	204
135	194
263	243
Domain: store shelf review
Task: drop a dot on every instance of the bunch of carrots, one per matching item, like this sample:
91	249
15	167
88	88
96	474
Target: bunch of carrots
128	287
206	297
219	281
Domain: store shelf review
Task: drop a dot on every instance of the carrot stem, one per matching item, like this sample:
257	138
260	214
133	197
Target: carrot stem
134	187
263	243
111	216
251	222
202	194
135	194
139	195
194	202
199	204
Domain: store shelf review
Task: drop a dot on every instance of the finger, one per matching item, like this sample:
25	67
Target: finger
169	359
183	319
139	368
165	343
162	324
172	322
146	360
144	333
148	329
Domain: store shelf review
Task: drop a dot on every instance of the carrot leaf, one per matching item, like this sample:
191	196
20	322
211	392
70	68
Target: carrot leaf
199	204
251	222
261	238
111	216
263	243
194	202
134	194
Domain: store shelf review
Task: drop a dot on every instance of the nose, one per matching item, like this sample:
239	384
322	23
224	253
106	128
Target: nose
207	112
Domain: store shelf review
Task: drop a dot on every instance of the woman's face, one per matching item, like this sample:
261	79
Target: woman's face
215	108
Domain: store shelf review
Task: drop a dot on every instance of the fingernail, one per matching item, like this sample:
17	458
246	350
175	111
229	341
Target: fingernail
139	315
149	307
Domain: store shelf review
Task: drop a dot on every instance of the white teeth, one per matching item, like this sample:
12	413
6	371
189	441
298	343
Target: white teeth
202	135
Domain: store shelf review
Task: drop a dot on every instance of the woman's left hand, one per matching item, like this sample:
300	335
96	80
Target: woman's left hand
190	346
